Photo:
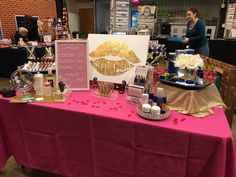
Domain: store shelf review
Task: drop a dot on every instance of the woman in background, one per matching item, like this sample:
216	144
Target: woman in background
195	35
21	33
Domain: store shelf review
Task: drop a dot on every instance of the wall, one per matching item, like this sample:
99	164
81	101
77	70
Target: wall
10	8
73	21
174	11
73	16
71	6
207	8
102	15
84	4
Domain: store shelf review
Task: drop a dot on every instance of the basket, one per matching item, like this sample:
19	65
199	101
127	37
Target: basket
151	116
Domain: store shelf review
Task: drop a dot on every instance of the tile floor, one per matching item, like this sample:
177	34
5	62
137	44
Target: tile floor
12	169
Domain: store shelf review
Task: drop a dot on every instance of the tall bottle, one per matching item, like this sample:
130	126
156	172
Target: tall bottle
163	105
38	84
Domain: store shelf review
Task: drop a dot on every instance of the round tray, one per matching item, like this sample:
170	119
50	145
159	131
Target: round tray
151	116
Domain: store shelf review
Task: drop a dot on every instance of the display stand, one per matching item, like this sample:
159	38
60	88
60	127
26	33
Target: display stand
30	52
57	96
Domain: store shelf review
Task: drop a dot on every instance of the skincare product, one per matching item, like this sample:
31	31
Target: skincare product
163	106
146	108
144	99
47	89
38	84
155	110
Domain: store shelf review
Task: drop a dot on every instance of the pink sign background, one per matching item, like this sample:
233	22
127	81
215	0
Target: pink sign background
72	64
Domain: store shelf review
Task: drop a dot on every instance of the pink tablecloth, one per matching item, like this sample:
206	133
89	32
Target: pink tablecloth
3	151
93	137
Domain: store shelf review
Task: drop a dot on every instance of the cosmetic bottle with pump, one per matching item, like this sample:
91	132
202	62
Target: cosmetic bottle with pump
50	77
47	89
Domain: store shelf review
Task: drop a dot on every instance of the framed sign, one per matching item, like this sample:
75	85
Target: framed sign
71	63
113	58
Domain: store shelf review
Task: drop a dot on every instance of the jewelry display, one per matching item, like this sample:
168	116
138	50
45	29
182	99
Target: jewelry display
42	91
43	66
30	52
22	80
140	85
48	53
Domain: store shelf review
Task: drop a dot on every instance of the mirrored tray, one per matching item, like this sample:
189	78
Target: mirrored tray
172	81
151	116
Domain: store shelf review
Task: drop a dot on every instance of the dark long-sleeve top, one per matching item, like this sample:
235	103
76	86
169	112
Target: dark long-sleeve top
33	34
196	35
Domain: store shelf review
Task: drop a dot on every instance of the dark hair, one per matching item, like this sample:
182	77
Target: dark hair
194	11
28	18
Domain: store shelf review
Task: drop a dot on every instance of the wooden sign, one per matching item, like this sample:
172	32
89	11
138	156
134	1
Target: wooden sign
71	63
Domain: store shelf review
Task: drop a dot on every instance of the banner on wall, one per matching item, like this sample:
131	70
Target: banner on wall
119	15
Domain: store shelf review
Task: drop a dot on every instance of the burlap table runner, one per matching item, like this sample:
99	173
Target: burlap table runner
195	102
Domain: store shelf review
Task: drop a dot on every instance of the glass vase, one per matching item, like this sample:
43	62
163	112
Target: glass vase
188	74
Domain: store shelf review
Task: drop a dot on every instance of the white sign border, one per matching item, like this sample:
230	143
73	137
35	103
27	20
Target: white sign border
56	57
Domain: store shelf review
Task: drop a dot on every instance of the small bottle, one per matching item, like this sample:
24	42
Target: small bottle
144	99
154	103
160	95
50	77
155	110
160	92
47	89
146	108
200	75
163	106
21	42
159	101
150	98
68	36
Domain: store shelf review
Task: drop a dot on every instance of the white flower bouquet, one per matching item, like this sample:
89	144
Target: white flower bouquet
188	61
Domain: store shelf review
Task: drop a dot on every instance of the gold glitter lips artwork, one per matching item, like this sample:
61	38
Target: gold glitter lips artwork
124	60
